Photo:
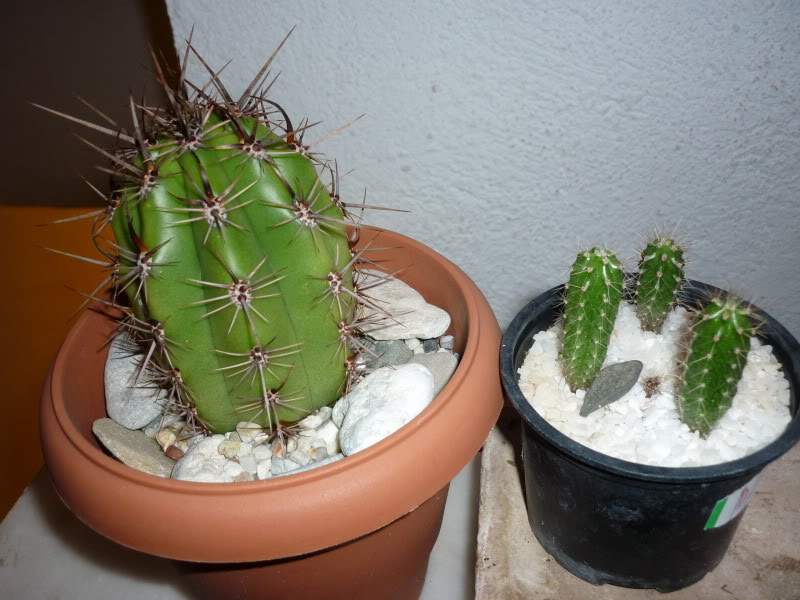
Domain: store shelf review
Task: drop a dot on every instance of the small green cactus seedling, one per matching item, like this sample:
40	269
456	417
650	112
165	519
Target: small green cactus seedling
593	294
660	280
231	246
714	362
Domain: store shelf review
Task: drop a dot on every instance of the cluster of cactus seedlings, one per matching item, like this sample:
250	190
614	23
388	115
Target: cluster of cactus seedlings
718	340
233	248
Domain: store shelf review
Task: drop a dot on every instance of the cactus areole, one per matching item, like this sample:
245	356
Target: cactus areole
231	247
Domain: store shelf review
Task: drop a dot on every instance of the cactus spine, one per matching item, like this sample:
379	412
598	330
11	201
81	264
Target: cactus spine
714	362
594	292
233	254
660	280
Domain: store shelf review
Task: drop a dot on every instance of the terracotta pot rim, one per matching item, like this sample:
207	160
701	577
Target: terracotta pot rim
357	471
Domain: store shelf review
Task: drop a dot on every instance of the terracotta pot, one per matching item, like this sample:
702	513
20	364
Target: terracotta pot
362	527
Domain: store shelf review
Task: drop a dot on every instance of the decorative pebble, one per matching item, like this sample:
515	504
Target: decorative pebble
648	430
611	384
262	453
410	317
251	432
385	353
446	342
316	419
169	434
412	343
249	464
441	364
430	345
381	403
281	466
329	433
264	468
174	452
131	406
203	462
156	425
133	448
153	427
229	449
321	463
232	469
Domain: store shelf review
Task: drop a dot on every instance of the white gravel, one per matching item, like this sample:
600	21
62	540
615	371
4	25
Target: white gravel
648	430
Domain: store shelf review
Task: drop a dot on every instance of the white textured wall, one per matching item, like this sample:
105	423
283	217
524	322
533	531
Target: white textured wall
519	131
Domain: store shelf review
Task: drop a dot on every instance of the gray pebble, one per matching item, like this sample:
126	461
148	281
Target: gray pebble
133	448
611	384
446	342
441	364
131	407
388	353
431	345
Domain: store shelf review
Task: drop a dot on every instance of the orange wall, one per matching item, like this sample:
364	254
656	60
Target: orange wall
35	305
55	50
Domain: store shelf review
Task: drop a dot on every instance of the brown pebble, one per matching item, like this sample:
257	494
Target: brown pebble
174	453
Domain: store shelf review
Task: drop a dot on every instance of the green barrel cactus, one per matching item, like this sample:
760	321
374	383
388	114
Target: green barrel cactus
714	362
660	279
593	294
233	254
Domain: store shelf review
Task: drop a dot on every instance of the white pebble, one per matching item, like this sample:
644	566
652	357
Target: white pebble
249	432
384	401
316	419
203	462
263	469
232	469
262	453
249	464
411	315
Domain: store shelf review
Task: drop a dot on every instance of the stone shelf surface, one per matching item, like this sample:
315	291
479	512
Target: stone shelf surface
762	563
46	553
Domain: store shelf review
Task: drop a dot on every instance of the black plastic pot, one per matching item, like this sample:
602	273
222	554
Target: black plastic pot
608	520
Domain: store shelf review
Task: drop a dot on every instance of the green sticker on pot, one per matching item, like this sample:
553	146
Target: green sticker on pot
725	510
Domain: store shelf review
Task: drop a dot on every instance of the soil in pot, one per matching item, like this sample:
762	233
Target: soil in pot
613	521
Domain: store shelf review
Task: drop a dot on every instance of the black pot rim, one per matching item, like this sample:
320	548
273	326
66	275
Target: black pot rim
772	332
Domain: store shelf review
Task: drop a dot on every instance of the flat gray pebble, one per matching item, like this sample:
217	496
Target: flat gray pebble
611	384
388	353
430	345
133	448
441	364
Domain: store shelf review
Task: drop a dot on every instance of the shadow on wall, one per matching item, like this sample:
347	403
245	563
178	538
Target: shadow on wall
57	51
